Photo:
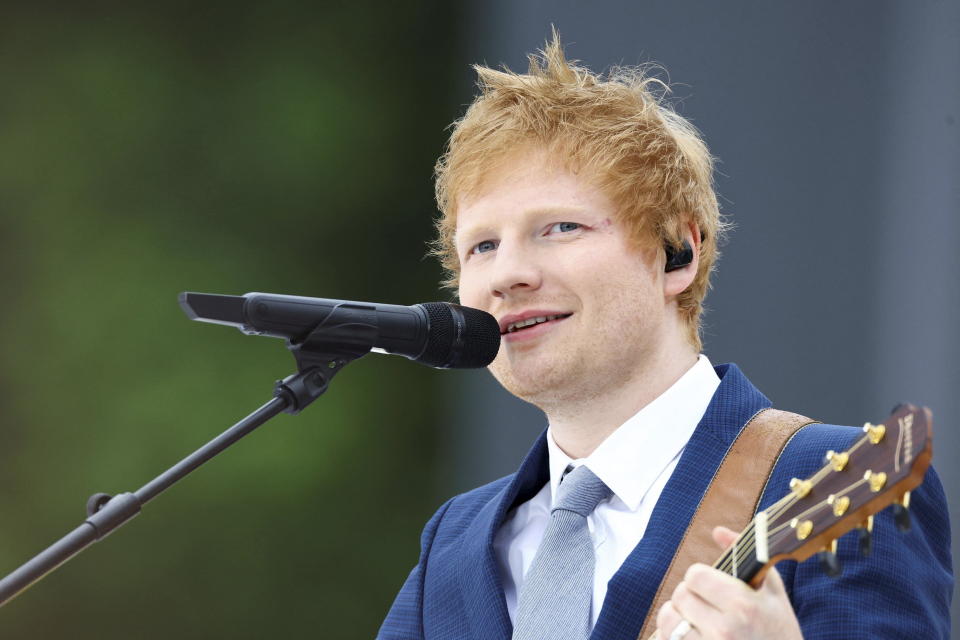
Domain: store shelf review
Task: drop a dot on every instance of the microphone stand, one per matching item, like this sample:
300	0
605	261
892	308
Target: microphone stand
317	361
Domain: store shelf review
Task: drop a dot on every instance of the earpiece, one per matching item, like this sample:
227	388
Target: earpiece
678	258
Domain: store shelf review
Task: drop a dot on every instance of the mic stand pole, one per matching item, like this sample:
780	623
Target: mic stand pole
107	513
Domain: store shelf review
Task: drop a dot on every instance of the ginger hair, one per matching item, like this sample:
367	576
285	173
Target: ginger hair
616	129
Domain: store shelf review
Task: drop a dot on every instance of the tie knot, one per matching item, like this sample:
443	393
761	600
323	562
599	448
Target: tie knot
581	491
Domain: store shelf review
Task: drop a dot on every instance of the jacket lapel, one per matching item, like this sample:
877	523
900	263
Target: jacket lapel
633	587
480	581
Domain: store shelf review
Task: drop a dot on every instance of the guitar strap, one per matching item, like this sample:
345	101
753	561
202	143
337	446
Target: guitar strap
731	499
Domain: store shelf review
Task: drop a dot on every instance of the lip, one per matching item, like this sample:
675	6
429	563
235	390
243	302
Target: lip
533	331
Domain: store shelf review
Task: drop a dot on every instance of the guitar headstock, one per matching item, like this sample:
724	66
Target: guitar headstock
879	469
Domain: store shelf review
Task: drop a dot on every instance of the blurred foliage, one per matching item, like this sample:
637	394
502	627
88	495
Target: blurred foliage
148	149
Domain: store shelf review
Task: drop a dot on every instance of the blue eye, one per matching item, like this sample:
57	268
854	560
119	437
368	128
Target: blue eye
564	227
483	247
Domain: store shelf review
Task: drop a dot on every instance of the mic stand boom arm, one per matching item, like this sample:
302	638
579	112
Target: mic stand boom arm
317	360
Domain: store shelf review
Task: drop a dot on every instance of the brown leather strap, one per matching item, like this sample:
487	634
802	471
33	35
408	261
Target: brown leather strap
731	499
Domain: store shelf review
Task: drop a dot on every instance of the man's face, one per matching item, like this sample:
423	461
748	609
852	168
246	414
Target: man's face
540	243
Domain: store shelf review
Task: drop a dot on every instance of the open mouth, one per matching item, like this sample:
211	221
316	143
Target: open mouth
520	325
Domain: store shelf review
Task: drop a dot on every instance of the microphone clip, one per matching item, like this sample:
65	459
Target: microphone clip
327	349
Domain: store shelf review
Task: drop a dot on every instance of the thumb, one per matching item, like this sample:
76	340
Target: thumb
723	537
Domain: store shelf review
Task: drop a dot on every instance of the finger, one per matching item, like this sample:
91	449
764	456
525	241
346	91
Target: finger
715	587
697	611
773	583
667	620
723	536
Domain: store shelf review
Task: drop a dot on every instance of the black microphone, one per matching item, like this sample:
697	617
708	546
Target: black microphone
438	334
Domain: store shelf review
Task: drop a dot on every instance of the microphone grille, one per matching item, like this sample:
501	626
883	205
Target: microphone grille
460	337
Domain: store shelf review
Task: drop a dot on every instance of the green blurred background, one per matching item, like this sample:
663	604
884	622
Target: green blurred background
149	149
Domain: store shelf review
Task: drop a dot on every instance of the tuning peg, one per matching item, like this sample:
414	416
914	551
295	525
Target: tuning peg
875	432
901	513
901	516
837	460
829	562
865	541
800	487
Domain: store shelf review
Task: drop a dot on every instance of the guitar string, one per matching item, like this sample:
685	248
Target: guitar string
726	562
741	551
822	503
777	508
774	511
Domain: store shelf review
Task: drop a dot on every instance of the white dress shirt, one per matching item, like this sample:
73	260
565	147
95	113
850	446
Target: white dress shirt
635	461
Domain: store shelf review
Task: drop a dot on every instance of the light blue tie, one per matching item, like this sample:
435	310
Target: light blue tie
557	591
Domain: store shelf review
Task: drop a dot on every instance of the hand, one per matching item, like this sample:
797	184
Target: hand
721	607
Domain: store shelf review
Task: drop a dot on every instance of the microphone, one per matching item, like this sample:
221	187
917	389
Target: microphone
437	334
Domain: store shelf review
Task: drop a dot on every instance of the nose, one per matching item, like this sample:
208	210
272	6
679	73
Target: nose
515	271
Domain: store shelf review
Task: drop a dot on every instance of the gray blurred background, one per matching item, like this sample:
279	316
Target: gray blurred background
289	148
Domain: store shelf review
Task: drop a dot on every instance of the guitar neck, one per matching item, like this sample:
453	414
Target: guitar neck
740	560
878	470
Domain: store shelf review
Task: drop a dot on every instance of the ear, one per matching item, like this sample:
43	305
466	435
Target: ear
676	282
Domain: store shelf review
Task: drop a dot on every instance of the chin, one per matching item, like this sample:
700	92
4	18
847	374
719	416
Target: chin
536	383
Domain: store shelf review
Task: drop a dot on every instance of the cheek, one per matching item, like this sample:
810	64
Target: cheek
626	287
469	292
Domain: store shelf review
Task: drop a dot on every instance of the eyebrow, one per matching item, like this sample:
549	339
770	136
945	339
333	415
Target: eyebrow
476	231
470	235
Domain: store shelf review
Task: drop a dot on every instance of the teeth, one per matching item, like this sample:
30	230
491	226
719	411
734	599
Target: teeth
520	324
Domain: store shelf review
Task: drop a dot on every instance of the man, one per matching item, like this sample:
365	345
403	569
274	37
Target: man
579	211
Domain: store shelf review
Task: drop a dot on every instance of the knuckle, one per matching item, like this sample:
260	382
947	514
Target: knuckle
693	576
725	631
748	609
663	616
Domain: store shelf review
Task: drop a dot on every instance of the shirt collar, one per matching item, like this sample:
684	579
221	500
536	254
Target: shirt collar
631	458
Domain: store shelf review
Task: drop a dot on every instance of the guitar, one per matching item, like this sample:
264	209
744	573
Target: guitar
877	471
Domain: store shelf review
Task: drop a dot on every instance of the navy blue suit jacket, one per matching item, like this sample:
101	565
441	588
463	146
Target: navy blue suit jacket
902	591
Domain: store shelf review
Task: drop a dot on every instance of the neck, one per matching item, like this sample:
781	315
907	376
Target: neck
578	427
